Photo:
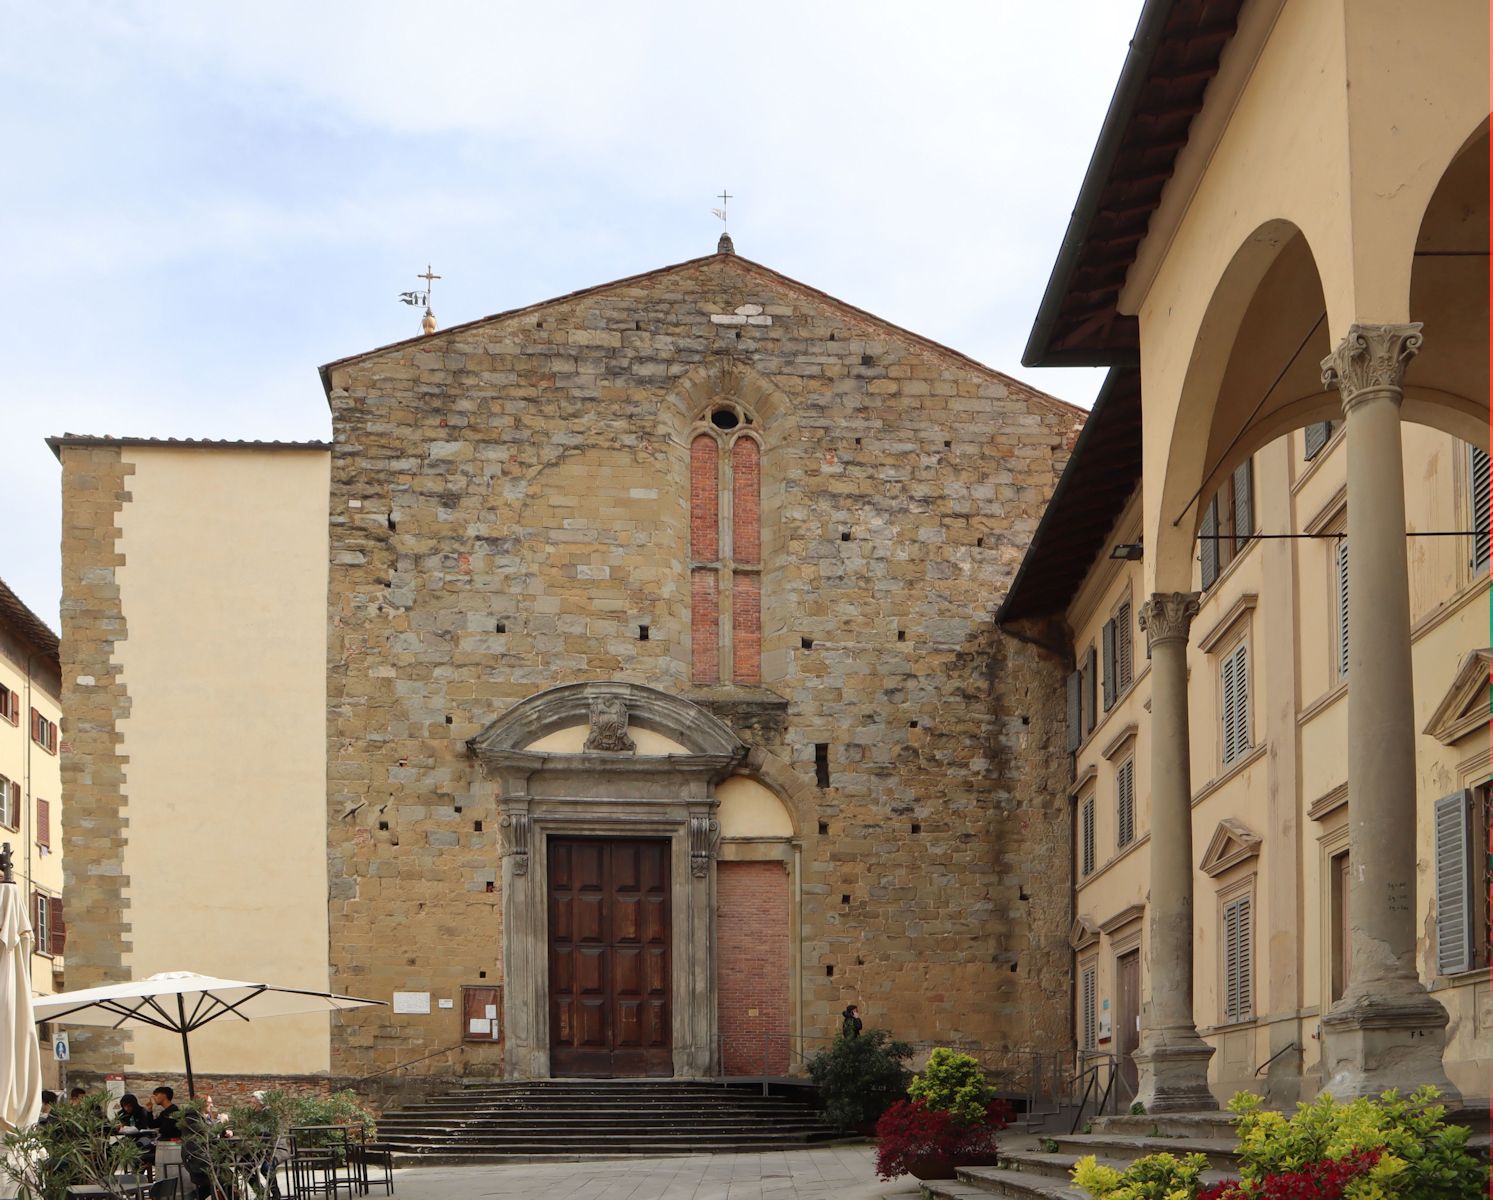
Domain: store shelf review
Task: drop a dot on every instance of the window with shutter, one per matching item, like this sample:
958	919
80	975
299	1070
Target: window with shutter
1238	960
1453	884
1317	436
41	925
1124	655
15	805
1089	999
1090	691
56	927
43	823
1075	713
7	815
1109	665
1125	803
1341	562
1234	686
1478	475
10	705
1208	545
1244	505
1086	836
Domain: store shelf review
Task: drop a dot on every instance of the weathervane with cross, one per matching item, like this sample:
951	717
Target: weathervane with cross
427	323
725	198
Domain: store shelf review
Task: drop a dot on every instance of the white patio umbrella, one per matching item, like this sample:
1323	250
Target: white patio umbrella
20	1057
183	1001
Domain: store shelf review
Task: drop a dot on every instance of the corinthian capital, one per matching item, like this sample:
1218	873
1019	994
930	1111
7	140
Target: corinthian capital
1371	358
1167	616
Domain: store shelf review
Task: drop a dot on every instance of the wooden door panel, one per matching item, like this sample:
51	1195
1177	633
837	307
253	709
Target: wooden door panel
609	957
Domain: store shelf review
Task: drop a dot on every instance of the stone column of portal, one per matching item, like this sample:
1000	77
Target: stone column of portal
1386	1031
1172	1058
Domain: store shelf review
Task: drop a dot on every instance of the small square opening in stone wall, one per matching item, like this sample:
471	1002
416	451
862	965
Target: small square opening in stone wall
643	633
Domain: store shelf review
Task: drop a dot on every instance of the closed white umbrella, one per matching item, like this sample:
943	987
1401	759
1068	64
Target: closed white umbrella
20	1057
182	1001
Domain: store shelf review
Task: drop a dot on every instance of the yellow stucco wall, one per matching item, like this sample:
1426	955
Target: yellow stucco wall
223	589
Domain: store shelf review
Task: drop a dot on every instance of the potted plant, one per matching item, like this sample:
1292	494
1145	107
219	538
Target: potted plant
949	1120
860	1077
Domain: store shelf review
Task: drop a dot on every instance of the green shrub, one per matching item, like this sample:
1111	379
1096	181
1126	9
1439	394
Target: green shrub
953	1083
1155	1177
1423	1157
859	1078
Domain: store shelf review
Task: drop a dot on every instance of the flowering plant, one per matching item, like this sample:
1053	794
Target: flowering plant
911	1131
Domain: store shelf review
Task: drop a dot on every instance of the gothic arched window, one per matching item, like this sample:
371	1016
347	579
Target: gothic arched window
725	497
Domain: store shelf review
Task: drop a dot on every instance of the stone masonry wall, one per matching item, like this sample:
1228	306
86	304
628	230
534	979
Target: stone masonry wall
94	701
510	502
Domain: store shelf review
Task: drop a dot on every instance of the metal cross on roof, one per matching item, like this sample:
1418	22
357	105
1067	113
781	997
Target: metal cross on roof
725	198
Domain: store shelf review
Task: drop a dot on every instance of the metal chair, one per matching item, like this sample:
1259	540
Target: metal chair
375	1168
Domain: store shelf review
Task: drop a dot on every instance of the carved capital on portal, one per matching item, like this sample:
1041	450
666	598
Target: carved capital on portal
609	726
1371	360
703	832
515	834
1167	616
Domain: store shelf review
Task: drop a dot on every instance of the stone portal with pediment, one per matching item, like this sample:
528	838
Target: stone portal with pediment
606	797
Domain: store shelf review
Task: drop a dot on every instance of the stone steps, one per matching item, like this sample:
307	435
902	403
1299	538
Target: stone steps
496	1122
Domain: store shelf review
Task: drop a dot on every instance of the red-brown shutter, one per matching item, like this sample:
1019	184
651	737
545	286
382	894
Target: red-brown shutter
57	929
44	823
15	806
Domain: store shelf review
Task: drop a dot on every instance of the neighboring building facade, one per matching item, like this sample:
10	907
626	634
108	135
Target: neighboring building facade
1282	825
1267	712
621	675
31	783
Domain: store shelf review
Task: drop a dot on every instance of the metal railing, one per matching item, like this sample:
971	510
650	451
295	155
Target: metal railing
1283	1050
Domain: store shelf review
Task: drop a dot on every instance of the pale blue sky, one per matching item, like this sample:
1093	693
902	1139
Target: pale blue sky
203	201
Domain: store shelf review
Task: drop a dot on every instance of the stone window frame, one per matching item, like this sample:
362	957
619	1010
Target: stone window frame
1119	651
1088	1003
724	567
1222	645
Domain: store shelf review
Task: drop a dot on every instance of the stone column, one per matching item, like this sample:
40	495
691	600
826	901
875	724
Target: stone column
1386	1031
1172	1058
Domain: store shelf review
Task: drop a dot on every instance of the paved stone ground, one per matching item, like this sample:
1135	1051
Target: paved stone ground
824	1173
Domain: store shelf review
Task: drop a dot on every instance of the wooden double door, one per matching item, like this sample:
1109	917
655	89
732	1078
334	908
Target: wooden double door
609	970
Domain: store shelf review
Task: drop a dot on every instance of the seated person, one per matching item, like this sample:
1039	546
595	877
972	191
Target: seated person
165	1114
48	1100
76	1094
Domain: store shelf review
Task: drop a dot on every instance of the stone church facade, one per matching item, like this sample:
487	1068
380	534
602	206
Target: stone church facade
665	713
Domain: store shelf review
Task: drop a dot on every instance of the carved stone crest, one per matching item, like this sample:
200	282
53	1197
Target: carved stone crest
1167	616
609	726
515	827
1371	358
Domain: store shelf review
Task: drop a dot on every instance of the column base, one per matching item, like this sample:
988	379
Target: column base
1173	1066
1371	1043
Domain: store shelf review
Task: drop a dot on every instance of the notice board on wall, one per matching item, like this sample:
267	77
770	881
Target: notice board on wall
481	1014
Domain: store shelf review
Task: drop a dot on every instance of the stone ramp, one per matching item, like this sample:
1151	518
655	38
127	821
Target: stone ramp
573	1119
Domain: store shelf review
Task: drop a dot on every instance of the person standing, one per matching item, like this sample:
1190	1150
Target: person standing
850	1023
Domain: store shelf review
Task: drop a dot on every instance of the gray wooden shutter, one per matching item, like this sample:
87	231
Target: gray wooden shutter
1244	504
1453	890
1238	970
1086	824
1109	665
1090	1007
1090	691
1317	436
1125	789
1478	475
1124	655
1075	716
1208	544
1230	689
1342	606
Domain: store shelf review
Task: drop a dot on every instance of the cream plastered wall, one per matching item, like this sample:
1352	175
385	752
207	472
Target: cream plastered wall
1341	123
1281	594
223	590
750	810
22	761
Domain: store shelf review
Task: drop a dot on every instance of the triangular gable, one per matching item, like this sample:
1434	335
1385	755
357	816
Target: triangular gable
1083	932
1233	842
1464	708
747	266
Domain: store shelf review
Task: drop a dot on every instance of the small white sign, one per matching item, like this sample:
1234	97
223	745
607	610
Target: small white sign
60	1050
491	1012
479	1025
412	1002
446	1003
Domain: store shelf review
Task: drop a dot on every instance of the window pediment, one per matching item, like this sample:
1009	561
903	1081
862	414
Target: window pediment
1084	933
1464	708
1233	842
1122	918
